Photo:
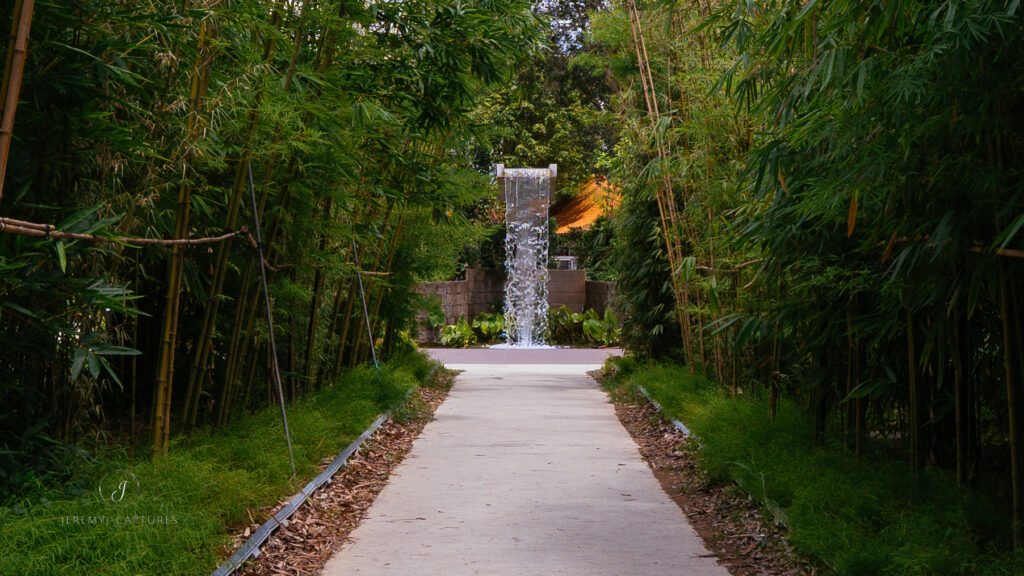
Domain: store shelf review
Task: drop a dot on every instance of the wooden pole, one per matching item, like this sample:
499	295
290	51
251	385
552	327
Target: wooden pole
22	228
13	71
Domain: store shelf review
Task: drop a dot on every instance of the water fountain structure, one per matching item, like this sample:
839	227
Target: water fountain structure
527	198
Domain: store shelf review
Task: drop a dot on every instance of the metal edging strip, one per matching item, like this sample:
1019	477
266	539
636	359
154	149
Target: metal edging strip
679	425
251	548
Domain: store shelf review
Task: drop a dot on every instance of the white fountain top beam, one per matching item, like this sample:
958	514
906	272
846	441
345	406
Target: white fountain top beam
550	172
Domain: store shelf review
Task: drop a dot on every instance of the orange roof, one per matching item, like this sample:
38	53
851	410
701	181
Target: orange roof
596	199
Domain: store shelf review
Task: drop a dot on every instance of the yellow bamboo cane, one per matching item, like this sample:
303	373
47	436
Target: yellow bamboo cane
13	70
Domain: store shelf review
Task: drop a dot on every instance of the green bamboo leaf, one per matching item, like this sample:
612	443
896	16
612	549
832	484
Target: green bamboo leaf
803	11
18	308
62	258
77	362
111	350
110	371
94	364
1008	233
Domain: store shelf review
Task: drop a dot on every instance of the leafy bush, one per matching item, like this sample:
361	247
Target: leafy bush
574	328
458	335
489	325
565	326
604	331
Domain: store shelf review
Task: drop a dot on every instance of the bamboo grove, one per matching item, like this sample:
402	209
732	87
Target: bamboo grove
823	201
144	125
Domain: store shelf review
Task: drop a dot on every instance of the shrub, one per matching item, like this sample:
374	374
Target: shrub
573	328
458	335
604	331
489	325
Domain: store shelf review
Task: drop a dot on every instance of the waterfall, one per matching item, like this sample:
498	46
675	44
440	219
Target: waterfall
527	192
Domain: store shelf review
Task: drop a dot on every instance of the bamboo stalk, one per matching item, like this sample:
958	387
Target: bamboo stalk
244	357
315	304
14	68
168	339
204	343
358	342
665	197
914	416
339	293
357	352
251	366
292	380
858	404
849	418
773	389
246	354
1012	351
233	344
340	353
392	249
735	353
962	411
11	42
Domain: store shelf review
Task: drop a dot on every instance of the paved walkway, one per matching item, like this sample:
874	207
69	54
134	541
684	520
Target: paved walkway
525	471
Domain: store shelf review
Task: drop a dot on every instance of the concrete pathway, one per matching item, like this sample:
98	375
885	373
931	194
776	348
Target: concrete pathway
525	471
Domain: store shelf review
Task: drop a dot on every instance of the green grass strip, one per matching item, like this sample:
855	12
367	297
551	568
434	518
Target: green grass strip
189	502
866	517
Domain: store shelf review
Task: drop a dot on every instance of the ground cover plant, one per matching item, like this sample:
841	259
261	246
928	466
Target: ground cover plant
866	515
490	326
586	328
458	335
211	481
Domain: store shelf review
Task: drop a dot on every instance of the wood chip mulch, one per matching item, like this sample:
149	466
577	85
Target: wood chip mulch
731	523
323	523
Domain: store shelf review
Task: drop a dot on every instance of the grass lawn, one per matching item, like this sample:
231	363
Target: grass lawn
858	518
188	503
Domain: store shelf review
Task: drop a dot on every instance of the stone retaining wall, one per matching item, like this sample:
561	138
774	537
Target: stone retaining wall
484	290
567	288
599	295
